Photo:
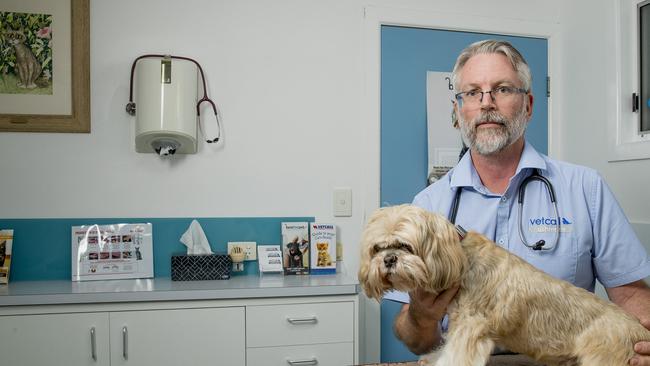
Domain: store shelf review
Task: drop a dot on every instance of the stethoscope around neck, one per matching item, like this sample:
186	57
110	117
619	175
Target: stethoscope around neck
540	244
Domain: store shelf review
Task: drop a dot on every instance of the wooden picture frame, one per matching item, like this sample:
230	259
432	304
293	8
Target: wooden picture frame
78	120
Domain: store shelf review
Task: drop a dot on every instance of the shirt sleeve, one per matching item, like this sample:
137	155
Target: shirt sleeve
398	296
619	257
421	201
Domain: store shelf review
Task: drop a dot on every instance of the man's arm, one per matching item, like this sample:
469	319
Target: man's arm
418	323
635	299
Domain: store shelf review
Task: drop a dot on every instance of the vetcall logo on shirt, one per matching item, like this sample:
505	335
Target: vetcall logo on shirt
549	225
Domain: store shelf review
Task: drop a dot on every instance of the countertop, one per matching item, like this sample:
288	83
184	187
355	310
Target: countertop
164	289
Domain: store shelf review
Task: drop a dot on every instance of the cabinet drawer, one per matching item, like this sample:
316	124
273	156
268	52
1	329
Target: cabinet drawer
331	354
287	325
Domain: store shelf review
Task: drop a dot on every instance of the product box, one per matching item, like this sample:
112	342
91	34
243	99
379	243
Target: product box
295	244
107	252
323	248
6	241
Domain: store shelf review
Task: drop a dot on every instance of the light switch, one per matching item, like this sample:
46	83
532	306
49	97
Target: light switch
342	202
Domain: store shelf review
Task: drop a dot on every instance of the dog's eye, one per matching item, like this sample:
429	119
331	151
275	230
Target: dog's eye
376	249
406	247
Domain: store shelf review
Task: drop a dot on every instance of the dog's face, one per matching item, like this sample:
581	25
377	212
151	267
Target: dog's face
322	247
405	247
294	249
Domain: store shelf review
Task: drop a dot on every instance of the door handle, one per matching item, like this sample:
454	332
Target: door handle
93	344
125	343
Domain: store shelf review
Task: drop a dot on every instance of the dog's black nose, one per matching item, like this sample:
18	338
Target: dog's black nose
390	260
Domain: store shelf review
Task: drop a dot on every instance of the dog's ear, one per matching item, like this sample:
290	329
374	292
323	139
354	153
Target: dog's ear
441	252
364	260
372	290
368	274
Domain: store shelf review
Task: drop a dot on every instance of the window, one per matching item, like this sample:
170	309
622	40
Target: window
629	125
642	102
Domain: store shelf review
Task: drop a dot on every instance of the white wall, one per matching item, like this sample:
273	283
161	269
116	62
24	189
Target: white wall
590	87
288	77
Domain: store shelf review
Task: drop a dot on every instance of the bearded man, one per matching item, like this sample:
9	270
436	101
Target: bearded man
569	223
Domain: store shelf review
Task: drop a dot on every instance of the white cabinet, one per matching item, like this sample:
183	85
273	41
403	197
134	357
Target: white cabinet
54	339
285	320
301	334
326	354
211	336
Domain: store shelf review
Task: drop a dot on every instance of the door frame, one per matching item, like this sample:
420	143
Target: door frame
374	18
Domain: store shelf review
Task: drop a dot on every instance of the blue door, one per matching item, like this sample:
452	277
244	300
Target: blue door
406	56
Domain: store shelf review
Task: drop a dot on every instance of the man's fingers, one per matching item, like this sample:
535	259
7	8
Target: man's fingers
640	361
448	294
642	348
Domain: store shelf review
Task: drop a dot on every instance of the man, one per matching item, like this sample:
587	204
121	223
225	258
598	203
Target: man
595	239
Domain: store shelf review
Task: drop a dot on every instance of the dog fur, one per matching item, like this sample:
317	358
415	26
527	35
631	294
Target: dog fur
502	300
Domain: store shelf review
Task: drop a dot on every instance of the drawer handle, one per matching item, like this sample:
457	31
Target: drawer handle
312	361
307	320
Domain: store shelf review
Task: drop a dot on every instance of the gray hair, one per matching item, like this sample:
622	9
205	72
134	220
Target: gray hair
493	46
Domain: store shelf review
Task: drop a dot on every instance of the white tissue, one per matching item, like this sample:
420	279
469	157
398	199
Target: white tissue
195	240
165	150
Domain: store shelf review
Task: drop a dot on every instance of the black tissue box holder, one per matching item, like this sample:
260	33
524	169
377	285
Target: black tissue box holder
201	267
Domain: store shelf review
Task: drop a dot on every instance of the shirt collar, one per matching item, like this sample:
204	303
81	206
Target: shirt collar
530	158
465	175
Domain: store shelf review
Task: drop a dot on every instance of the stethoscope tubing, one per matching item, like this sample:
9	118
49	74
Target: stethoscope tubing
539	245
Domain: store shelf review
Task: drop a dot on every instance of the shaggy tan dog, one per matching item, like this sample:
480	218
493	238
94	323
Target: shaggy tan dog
502	299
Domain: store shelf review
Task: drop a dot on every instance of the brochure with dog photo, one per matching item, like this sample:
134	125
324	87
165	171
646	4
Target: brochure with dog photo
6	241
107	252
295	245
323	248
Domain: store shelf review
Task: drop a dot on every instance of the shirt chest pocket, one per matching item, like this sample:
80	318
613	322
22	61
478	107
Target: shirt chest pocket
560	262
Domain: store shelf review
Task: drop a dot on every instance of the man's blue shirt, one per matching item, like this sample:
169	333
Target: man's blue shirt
596	240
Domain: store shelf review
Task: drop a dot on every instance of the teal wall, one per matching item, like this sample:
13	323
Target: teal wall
42	247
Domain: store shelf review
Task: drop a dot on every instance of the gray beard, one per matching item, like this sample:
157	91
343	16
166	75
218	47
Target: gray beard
493	140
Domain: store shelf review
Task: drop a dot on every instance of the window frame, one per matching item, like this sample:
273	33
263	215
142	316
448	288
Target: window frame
626	141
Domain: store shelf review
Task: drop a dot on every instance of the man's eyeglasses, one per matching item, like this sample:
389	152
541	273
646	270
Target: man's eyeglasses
500	94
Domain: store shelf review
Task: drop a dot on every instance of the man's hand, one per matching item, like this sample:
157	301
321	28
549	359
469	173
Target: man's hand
429	309
635	299
642	349
417	325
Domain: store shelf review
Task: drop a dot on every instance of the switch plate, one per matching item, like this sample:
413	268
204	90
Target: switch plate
249	248
342	202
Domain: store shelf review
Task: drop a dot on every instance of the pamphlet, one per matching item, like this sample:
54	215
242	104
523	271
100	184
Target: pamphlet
6	242
102	252
269	258
295	242
323	248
